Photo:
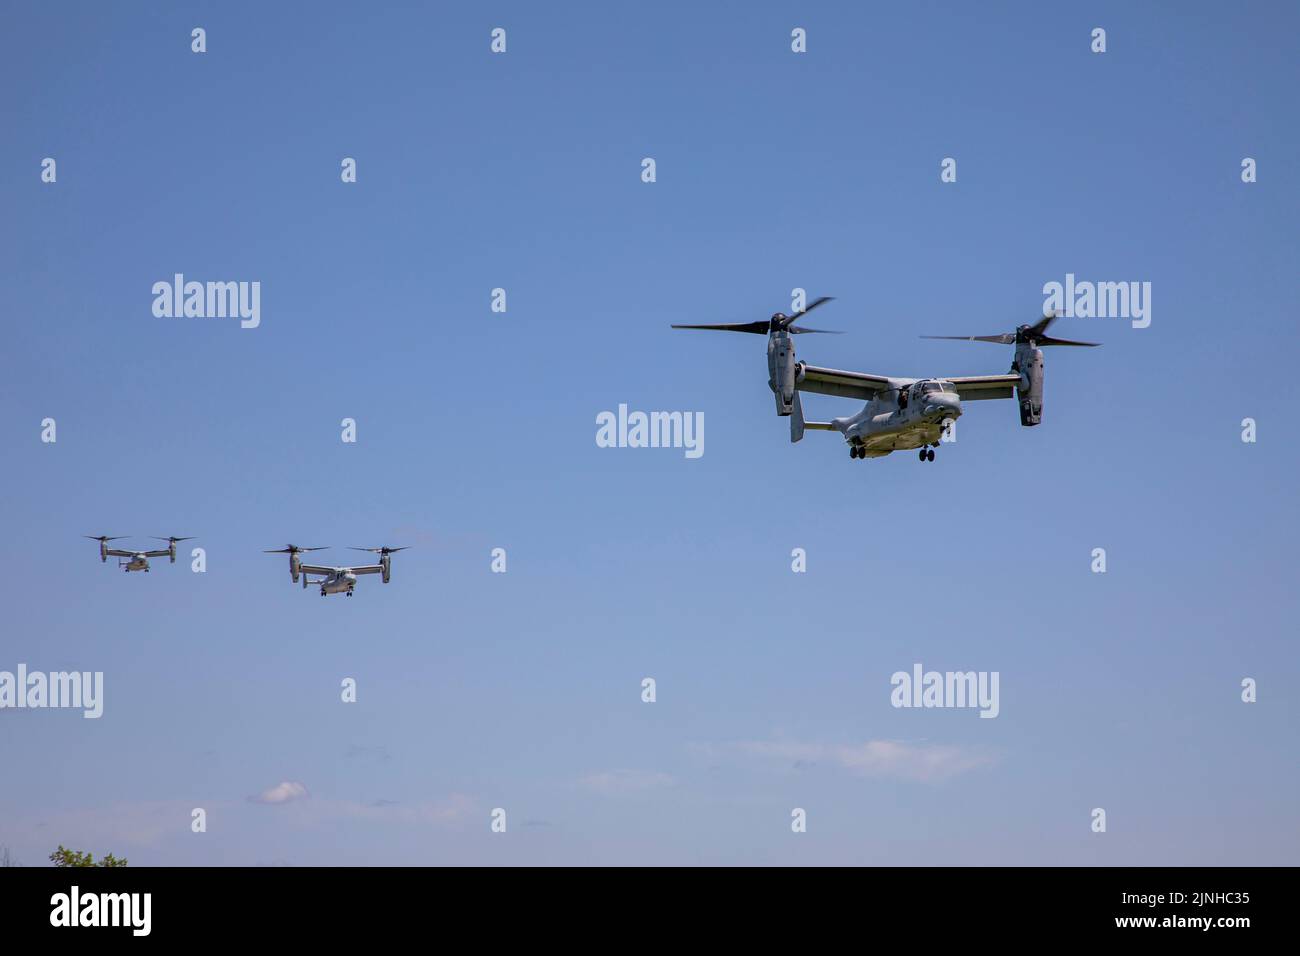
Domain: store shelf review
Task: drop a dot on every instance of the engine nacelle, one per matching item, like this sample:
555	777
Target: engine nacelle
171	551
385	562
1029	363
781	370
294	566
103	553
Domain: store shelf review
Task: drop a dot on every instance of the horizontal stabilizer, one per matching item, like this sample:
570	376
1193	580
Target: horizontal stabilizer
797	424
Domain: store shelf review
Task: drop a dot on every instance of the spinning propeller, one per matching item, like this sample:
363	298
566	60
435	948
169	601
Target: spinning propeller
1035	334
780	322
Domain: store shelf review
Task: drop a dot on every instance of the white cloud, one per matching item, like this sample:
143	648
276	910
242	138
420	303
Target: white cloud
111	827
610	782
282	792
877	758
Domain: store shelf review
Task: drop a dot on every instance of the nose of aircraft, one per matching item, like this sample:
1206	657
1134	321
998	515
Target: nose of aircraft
943	405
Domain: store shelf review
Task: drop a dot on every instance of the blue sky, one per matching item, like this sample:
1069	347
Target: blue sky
476	431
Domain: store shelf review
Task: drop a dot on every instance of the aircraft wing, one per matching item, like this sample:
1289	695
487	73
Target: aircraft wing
316	569
114	553
368	569
155	554
974	388
831	381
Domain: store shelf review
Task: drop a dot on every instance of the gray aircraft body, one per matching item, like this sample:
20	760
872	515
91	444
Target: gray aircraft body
134	560
900	413
335	580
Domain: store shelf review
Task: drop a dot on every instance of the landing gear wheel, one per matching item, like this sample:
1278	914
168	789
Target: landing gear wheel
349	594
322	594
853	451
929	455
922	455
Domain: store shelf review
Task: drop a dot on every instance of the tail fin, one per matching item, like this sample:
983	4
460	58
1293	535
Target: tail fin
797	423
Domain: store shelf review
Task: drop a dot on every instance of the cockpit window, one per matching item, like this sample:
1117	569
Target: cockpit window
929	387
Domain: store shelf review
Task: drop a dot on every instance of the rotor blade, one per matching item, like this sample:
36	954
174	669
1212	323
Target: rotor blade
821	300
790	319
103	537
796	329
758	328
161	538
381	550
1037	330
1006	338
1048	340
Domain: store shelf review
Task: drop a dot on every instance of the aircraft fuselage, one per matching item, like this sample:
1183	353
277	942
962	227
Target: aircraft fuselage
340	582
885	424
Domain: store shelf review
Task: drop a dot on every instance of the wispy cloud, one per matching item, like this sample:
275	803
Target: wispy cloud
131	824
612	782
876	758
283	792
453	809
329	811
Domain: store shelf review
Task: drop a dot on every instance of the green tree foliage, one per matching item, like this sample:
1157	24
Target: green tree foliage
65	857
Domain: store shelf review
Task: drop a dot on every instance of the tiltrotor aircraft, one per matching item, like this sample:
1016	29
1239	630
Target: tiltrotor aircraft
335	580
135	560
900	413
